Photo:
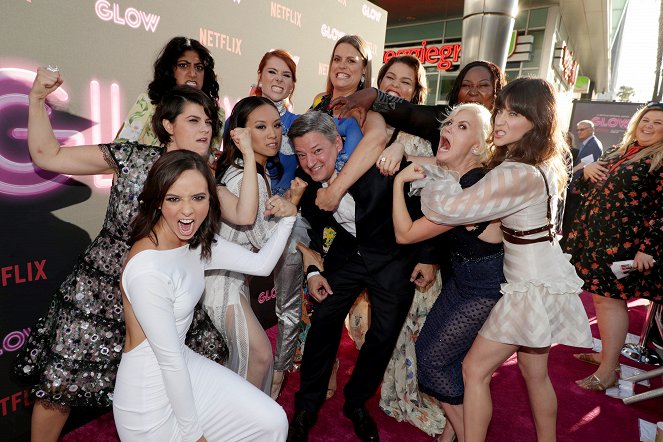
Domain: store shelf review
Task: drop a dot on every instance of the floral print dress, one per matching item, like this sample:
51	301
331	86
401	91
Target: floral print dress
619	217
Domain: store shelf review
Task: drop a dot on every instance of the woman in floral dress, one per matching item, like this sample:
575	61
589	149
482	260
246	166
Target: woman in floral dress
621	219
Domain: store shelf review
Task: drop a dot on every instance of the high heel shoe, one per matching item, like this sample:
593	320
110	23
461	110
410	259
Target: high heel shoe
331	387
277	382
589	359
593	383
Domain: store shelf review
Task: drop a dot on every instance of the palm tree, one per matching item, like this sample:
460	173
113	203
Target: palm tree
625	93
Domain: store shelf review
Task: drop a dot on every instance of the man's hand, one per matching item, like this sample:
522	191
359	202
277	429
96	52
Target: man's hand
424	274
328	199
319	288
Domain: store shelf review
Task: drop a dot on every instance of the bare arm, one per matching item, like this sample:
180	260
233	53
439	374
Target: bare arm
363	158
45	149
406	230
242	210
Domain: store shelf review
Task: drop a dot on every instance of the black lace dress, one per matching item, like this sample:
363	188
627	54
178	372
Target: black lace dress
73	352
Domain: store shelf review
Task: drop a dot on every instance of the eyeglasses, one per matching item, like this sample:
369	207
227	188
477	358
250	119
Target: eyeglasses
654	105
578	129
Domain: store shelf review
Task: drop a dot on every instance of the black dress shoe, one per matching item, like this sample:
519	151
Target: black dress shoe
302	421
363	423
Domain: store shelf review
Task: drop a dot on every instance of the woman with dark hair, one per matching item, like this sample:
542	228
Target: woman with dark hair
164	390
72	354
255	122
621	219
539	304
478	82
183	61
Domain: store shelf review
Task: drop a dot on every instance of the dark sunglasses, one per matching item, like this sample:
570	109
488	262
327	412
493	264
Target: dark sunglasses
654	105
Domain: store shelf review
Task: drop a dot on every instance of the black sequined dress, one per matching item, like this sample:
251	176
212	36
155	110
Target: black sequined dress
73	352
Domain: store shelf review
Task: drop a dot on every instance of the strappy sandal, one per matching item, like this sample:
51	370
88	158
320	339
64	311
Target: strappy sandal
593	383
331	387
589	358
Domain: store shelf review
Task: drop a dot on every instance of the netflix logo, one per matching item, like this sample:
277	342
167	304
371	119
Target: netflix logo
22	273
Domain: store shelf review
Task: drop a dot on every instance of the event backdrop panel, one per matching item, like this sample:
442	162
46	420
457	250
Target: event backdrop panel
105	50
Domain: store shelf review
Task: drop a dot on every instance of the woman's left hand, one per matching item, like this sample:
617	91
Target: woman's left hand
390	159
277	206
643	262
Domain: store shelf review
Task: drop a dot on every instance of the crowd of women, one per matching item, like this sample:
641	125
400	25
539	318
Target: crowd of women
143	321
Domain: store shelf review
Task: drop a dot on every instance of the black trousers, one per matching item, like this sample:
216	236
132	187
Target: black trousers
389	308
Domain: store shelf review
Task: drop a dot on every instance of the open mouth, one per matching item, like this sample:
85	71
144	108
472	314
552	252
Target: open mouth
393	93
192	83
445	144
186	227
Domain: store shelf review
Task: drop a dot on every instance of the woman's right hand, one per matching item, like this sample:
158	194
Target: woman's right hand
356	105
411	173
595	171
45	83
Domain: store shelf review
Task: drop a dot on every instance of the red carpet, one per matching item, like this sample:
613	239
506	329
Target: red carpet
582	416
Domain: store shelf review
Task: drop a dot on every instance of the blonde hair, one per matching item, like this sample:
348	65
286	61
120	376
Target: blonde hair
485	149
655	151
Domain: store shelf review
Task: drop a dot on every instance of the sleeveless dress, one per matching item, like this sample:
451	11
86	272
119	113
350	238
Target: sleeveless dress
540	304
164	390
466	299
72	353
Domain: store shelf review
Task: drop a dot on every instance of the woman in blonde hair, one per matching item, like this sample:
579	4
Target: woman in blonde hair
621	219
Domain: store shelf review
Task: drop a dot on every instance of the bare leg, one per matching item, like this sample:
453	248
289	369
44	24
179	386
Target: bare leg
259	371
454	414
612	318
533	363
485	356
47	422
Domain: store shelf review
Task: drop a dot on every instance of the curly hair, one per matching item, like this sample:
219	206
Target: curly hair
164	68
421	86
172	105
499	80
541	144
163	174
231	155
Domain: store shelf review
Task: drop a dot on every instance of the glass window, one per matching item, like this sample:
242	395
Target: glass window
446	82
454	29
538	18
521	19
537	49
431	78
415	33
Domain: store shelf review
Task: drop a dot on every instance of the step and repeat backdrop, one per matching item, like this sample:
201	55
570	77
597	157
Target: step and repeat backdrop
105	50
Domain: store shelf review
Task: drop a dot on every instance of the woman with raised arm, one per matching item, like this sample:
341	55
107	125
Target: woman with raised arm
465	301
164	390
254	121
539	304
72	354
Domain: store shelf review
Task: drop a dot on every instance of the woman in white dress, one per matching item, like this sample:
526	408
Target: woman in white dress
164	391
226	298
540	304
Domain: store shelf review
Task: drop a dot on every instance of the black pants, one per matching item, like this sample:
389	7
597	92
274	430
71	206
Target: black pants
389	308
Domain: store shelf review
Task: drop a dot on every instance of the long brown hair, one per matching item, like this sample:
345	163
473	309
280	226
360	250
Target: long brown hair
533	98
163	174
421	85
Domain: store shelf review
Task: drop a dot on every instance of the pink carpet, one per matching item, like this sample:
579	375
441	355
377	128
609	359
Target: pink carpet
582	416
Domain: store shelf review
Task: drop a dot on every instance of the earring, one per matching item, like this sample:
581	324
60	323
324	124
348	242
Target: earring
362	81
475	151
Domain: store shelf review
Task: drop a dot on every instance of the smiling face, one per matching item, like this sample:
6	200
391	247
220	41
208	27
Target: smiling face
346	69
191	130
183	209
276	79
266	132
400	81
189	70
509	127
458	137
477	87
317	155
650	128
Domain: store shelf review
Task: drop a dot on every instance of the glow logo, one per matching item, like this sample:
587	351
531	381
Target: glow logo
18	176
131	17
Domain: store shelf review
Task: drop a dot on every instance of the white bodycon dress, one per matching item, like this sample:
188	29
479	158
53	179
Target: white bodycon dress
166	392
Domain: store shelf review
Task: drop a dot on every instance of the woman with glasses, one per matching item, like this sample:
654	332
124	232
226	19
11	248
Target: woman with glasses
621	219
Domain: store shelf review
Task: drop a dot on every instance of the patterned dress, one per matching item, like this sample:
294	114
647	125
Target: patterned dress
540	303
72	354
619	217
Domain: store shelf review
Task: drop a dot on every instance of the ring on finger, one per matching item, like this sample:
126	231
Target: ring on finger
383	159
